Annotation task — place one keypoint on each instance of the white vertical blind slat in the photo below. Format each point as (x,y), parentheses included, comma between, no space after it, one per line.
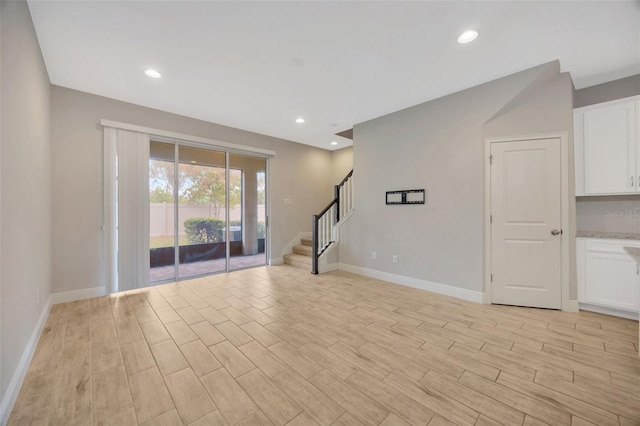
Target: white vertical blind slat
(109,211)
(126,209)
(133,209)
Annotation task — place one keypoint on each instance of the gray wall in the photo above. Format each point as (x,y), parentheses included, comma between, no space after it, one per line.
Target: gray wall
(616,89)
(298,172)
(438,145)
(599,213)
(25,172)
(341,164)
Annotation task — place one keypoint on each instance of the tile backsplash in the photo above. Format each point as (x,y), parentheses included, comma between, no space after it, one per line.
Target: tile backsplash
(608,214)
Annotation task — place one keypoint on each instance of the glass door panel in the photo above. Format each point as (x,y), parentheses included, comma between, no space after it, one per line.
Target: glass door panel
(247,211)
(162,239)
(201,211)
(206,216)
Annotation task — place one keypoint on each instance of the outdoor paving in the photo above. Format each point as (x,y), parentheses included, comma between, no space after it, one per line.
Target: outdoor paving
(162,273)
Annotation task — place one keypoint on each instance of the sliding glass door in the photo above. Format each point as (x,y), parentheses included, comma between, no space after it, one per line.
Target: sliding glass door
(201,212)
(206,206)
(247,195)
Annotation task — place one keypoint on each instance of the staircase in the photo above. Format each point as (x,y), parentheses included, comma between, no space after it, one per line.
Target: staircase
(325,226)
(301,256)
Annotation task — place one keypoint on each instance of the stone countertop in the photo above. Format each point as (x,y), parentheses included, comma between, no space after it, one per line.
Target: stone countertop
(611,235)
(634,252)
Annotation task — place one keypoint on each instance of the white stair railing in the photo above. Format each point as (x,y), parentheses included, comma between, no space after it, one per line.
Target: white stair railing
(323,226)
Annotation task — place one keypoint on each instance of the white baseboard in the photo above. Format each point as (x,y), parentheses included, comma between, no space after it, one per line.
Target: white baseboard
(609,311)
(276,261)
(72,296)
(447,290)
(11,394)
(572,306)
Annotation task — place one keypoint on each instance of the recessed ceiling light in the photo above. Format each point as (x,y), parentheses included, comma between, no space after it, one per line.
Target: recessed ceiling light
(334,143)
(299,120)
(152,73)
(467,36)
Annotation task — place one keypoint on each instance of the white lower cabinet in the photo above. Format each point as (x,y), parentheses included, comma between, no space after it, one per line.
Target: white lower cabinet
(607,276)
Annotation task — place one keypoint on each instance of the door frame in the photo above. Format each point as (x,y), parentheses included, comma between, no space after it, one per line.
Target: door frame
(227,154)
(564,210)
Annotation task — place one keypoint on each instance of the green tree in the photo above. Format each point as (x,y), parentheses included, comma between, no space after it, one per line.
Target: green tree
(161,181)
(205,185)
(196,184)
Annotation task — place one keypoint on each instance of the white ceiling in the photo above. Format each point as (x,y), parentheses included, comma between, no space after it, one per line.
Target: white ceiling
(238,63)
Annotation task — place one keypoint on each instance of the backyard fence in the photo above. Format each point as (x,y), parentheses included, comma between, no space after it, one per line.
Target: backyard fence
(162,216)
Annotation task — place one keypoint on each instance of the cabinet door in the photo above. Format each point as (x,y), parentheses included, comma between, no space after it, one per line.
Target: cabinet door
(610,277)
(609,134)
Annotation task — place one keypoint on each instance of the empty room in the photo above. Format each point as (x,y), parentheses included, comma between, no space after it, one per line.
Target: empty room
(319,213)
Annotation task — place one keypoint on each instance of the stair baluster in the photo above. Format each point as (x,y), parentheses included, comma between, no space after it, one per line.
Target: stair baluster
(323,225)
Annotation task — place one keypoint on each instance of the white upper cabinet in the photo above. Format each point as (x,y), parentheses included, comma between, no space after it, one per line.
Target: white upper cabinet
(607,154)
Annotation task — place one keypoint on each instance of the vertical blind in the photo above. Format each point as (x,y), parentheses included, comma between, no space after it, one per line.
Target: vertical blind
(126,198)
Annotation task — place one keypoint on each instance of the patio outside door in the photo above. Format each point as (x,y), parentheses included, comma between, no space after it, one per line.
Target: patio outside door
(207,211)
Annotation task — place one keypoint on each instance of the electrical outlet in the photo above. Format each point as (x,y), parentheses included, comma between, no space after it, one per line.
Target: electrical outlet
(395,258)
(288,201)
(373,254)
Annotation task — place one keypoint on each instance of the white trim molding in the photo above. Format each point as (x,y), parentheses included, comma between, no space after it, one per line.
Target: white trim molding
(328,260)
(608,311)
(185,137)
(573,306)
(446,290)
(72,296)
(11,394)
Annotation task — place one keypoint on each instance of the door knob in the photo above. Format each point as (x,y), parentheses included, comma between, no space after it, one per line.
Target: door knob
(556,232)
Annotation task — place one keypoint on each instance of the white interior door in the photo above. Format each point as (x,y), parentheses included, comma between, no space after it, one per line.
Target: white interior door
(526,258)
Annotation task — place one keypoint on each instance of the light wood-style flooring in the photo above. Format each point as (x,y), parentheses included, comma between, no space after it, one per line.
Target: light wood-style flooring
(277,345)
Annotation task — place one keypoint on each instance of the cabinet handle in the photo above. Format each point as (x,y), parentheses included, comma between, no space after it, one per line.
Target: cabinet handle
(632,181)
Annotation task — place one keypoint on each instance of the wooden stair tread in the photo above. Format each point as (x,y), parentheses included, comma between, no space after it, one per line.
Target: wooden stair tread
(298,258)
(303,250)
